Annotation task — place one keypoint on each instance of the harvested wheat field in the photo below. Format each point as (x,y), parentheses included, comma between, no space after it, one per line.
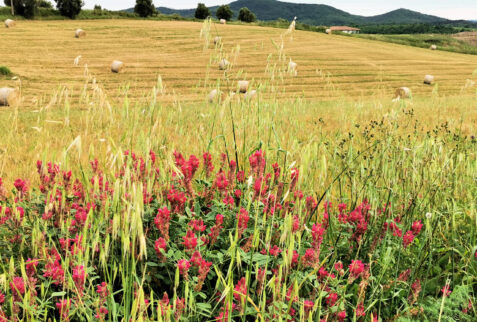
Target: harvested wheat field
(42,54)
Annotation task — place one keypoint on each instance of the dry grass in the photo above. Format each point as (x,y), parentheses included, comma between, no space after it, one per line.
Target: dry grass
(468,36)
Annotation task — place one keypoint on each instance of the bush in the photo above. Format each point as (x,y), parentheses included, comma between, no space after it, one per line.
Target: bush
(69,8)
(202,12)
(144,8)
(224,12)
(246,15)
(5,71)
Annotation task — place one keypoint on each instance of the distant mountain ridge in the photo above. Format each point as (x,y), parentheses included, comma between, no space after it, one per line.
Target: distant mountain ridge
(315,14)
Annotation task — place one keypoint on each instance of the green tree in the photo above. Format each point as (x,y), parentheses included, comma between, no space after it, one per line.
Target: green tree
(202,12)
(69,8)
(24,8)
(224,12)
(44,4)
(144,8)
(246,15)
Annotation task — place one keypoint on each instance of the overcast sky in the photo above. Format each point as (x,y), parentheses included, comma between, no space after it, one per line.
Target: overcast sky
(451,9)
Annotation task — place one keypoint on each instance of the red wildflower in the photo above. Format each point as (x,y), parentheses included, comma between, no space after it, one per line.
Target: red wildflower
(275,251)
(341,316)
(257,162)
(209,167)
(17,285)
(296,224)
(356,268)
(331,299)
(338,266)
(31,265)
(242,218)
(183,266)
(446,290)
(64,307)
(162,222)
(79,277)
(408,238)
(197,225)
(416,227)
(240,289)
(196,259)
(160,247)
(317,232)
(102,290)
(204,268)
(360,310)
(221,181)
(190,241)
(102,312)
(308,305)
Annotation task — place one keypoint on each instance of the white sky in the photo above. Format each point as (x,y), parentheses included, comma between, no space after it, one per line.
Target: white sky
(451,9)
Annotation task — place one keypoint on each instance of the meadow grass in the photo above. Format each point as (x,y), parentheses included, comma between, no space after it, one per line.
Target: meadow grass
(443,42)
(393,164)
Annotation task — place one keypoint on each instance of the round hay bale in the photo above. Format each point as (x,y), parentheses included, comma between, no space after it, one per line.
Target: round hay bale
(433,47)
(9,23)
(117,66)
(292,66)
(243,86)
(328,31)
(250,95)
(212,95)
(8,96)
(223,21)
(217,40)
(224,64)
(80,33)
(402,93)
(428,79)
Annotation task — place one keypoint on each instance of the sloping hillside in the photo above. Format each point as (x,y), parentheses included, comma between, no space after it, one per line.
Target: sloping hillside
(315,14)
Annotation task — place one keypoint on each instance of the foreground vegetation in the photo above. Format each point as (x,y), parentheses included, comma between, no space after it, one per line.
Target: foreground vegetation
(133,205)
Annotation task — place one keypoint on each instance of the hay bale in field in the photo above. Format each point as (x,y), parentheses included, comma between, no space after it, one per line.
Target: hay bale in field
(117,66)
(224,64)
(249,95)
(223,21)
(8,96)
(212,95)
(428,79)
(402,93)
(292,67)
(243,86)
(433,47)
(328,31)
(217,40)
(80,33)
(9,23)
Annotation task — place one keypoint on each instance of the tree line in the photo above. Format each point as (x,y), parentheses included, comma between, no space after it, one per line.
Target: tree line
(143,8)
(28,8)
(224,12)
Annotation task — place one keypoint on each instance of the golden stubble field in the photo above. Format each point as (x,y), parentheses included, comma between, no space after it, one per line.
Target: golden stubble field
(76,113)
(42,54)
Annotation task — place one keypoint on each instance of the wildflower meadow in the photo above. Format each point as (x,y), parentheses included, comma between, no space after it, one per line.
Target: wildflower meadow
(267,208)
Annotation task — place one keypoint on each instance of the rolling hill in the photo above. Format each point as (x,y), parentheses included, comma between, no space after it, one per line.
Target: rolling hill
(315,14)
